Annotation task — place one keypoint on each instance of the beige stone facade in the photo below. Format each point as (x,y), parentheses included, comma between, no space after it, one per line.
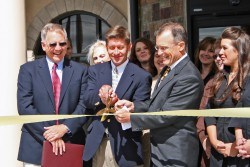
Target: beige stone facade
(38,13)
(153,13)
(24,20)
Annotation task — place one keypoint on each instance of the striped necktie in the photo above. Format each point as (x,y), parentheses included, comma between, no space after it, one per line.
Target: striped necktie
(56,89)
(164,73)
(115,78)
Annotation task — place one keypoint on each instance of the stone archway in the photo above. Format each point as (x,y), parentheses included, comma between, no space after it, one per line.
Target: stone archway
(56,8)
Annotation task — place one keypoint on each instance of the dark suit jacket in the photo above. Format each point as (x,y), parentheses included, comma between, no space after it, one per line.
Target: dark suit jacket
(174,140)
(35,97)
(134,85)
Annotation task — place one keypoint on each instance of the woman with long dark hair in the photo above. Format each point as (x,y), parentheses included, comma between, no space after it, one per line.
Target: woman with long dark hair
(225,93)
(141,53)
(204,58)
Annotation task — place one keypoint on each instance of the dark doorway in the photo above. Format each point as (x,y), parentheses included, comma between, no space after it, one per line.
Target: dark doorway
(210,18)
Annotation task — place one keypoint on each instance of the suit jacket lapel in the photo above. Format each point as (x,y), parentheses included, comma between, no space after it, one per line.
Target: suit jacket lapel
(170,76)
(66,78)
(125,81)
(167,79)
(44,72)
(159,78)
(106,75)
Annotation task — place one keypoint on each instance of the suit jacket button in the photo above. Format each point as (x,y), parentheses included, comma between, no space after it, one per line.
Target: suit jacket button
(108,120)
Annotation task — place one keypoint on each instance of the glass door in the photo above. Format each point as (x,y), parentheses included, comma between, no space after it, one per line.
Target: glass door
(210,18)
(203,26)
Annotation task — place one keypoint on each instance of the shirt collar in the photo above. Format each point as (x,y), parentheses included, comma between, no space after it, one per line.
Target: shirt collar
(175,63)
(51,64)
(121,67)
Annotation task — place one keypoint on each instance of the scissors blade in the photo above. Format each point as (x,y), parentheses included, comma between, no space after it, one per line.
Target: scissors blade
(104,117)
(111,110)
(108,109)
(100,112)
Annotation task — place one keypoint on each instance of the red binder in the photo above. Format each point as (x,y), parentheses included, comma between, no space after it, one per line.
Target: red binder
(71,158)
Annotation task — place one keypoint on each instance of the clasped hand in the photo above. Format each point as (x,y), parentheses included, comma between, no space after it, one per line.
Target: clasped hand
(109,98)
(58,146)
(54,135)
(123,110)
(243,146)
(107,95)
(226,149)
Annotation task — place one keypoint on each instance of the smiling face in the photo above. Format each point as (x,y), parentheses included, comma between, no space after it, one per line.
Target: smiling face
(228,52)
(55,45)
(142,52)
(118,50)
(159,62)
(168,49)
(206,55)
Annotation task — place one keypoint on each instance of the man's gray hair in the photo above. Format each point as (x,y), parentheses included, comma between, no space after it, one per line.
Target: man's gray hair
(178,31)
(52,27)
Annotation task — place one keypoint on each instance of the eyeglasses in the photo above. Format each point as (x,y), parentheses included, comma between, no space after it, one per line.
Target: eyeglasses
(216,55)
(53,45)
(161,48)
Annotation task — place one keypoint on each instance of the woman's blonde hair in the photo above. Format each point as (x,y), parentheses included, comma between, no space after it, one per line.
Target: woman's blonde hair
(90,54)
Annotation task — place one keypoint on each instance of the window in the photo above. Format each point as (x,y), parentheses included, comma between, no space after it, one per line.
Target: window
(83,29)
(206,19)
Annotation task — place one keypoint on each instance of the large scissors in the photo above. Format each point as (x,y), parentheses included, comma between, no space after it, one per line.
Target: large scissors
(108,109)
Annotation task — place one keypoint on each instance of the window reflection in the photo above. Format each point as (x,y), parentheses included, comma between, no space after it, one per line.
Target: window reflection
(88,31)
(83,29)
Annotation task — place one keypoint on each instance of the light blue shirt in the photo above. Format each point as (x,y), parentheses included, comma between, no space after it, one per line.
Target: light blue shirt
(116,76)
(59,69)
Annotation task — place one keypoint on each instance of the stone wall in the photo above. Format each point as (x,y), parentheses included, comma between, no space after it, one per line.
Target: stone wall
(153,13)
(55,8)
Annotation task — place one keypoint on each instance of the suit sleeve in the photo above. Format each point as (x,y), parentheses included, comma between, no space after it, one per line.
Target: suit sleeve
(142,92)
(185,94)
(92,100)
(74,124)
(25,98)
(141,98)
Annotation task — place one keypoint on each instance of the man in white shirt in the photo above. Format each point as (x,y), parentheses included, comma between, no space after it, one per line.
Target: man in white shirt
(107,142)
(50,85)
(174,140)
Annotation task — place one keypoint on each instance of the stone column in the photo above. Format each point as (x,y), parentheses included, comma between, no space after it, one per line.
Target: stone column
(129,17)
(13,54)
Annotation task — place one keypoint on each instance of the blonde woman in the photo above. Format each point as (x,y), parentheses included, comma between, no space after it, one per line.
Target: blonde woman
(98,53)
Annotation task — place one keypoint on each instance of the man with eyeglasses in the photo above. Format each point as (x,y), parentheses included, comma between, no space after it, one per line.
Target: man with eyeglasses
(110,143)
(174,140)
(50,85)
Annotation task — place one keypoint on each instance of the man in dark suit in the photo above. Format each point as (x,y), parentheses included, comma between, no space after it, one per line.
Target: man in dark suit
(35,96)
(174,140)
(107,142)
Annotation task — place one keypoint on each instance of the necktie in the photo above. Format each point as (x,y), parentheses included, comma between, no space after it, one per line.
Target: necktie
(164,73)
(115,76)
(116,72)
(56,89)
